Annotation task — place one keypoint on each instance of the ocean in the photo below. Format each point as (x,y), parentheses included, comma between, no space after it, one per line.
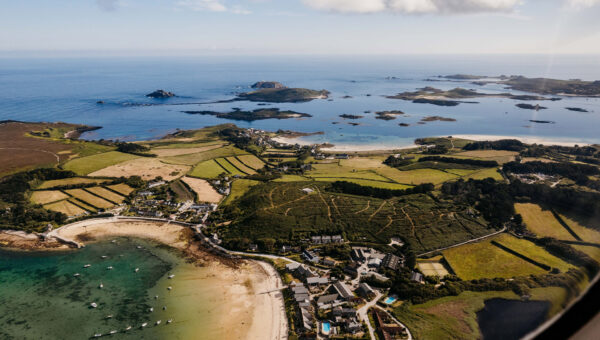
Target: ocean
(67,89)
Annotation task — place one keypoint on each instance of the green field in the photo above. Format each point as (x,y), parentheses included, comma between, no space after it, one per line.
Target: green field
(69,181)
(107,194)
(484,260)
(47,196)
(542,222)
(277,210)
(240,166)
(292,178)
(89,164)
(365,182)
(230,168)
(121,188)
(207,169)
(238,188)
(195,158)
(414,177)
(251,161)
(90,199)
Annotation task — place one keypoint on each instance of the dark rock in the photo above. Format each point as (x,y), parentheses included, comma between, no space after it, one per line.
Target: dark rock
(160,94)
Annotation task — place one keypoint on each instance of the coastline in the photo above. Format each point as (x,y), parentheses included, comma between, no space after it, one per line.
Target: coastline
(237,299)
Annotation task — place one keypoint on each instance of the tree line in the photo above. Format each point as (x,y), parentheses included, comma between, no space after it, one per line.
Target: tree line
(467,161)
(362,190)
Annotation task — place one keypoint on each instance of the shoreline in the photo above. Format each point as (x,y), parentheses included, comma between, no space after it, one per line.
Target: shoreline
(251,307)
(384,147)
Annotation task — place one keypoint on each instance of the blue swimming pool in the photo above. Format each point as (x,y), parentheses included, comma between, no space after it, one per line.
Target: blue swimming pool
(326,327)
(389,300)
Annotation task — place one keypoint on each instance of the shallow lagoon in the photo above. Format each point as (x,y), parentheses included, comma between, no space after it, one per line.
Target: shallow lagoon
(502,319)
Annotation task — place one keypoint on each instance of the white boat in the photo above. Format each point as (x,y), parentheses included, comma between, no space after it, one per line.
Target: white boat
(169,288)
(114,331)
(113,241)
(155,297)
(94,305)
(97,335)
(103,256)
(76,274)
(109,316)
(101,285)
(151,309)
(139,247)
(164,307)
(170,320)
(144,324)
(87,265)
(137,270)
(128,328)
(158,322)
(171,276)
(109,267)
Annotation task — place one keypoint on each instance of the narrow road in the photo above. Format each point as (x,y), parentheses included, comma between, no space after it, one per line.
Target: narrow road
(364,316)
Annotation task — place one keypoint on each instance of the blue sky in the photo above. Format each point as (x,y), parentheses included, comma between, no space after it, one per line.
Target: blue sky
(247,27)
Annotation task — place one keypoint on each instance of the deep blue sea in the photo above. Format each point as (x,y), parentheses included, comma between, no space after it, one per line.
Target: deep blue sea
(67,89)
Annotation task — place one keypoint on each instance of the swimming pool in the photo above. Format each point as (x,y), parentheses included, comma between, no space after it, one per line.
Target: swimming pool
(326,328)
(389,300)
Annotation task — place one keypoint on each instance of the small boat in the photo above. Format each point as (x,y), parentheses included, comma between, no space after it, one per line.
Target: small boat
(114,331)
(109,267)
(170,320)
(169,288)
(87,265)
(164,307)
(151,309)
(137,270)
(76,274)
(144,324)
(155,297)
(97,335)
(103,256)
(109,316)
(94,305)
(158,322)
(101,285)
(171,276)
(113,241)
(128,328)
(139,247)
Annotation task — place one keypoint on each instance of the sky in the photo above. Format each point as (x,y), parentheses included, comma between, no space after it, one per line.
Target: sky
(312,27)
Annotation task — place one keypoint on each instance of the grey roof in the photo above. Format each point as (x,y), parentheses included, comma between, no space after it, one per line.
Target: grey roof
(327,298)
(343,290)
(317,280)
(300,290)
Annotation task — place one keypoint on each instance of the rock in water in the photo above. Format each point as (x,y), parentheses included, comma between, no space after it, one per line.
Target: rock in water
(268,85)
(161,94)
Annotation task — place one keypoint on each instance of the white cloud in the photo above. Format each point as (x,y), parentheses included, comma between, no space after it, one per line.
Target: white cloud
(417,6)
(583,3)
(203,5)
(107,5)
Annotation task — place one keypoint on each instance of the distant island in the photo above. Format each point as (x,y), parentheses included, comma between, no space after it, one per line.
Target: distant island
(576,109)
(258,114)
(542,121)
(347,116)
(536,107)
(160,94)
(437,118)
(274,92)
(388,115)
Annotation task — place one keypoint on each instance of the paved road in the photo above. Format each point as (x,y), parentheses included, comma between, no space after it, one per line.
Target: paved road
(363,313)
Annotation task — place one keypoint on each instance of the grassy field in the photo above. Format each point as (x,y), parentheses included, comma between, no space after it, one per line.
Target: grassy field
(89,198)
(593,252)
(182,193)
(82,205)
(65,207)
(586,234)
(455,317)
(109,195)
(542,222)
(240,166)
(195,158)
(147,168)
(205,192)
(121,188)
(207,169)
(414,177)
(232,170)
(432,269)
(69,181)
(89,164)
(238,188)
(166,151)
(278,210)
(365,182)
(484,173)
(47,196)
(499,156)
(251,161)
(292,178)
(484,260)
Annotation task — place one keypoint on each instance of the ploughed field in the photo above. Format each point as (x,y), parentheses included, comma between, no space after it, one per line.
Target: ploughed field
(283,211)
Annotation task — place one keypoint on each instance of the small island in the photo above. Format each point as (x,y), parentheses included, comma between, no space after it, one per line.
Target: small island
(404,124)
(536,107)
(576,109)
(273,92)
(437,118)
(542,121)
(160,94)
(388,115)
(258,114)
(347,116)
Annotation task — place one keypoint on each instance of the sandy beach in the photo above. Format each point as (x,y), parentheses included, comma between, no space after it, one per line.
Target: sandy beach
(228,299)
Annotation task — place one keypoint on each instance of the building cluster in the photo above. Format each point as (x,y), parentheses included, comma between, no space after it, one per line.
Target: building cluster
(370,262)
(387,328)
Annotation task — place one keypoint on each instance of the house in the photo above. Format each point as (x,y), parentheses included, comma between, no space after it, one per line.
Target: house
(326,239)
(391,261)
(310,256)
(337,239)
(301,297)
(155,184)
(417,277)
(365,290)
(316,239)
(374,262)
(351,269)
(327,299)
(344,291)
(291,267)
(307,190)
(357,255)
(342,156)
(145,193)
(304,272)
(300,289)
(289,249)
(317,281)
(306,320)
(352,326)
(328,261)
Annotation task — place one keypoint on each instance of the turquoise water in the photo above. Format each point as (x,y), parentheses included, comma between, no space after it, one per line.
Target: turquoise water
(326,327)
(41,299)
(389,300)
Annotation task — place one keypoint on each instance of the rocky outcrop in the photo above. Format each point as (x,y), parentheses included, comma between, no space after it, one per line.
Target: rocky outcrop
(268,85)
(160,94)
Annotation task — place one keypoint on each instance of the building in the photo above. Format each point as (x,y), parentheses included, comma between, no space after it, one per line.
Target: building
(337,239)
(307,190)
(316,239)
(327,299)
(417,277)
(366,291)
(317,281)
(374,262)
(310,256)
(391,261)
(357,255)
(328,261)
(155,184)
(344,291)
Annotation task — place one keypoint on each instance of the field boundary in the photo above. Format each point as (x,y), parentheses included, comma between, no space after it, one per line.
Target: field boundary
(565,225)
(233,165)
(248,166)
(222,167)
(463,243)
(521,256)
(113,191)
(104,198)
